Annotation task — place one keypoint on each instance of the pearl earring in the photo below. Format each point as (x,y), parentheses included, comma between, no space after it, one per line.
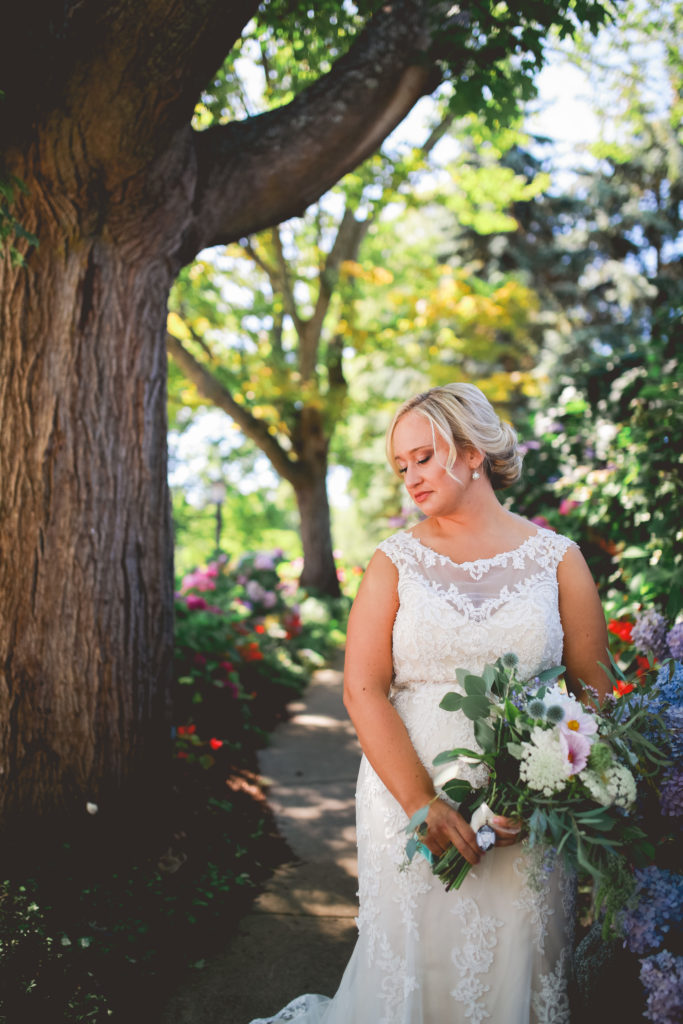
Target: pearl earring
(476,474)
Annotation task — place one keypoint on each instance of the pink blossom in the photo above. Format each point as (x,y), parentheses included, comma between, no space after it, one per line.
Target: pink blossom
(576,749)
(195,603)
(576,720)
(198,580)
(263,561)
(542,521)
(566,506)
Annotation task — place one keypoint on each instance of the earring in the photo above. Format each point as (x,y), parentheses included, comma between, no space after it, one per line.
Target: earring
(476,474)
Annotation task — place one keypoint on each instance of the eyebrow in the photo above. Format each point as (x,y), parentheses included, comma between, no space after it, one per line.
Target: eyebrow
(419,448)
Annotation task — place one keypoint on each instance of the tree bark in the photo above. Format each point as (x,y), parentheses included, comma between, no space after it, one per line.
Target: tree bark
(121,192)
(86,600)
(319,573)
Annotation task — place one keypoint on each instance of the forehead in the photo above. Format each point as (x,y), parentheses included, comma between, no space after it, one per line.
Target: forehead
(412,431)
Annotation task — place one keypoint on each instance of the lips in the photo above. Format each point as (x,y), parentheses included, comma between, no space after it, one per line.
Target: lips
(421,495)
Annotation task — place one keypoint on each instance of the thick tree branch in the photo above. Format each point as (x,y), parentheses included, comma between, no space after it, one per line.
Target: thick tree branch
(321,135)
(215,392)
(125,74)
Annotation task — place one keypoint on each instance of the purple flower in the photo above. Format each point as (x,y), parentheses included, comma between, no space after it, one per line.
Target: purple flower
(657,911)
(662,978)
(675,641)
(649,634)
(671,795)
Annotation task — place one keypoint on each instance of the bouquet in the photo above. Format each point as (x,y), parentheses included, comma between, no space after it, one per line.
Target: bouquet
(570,771)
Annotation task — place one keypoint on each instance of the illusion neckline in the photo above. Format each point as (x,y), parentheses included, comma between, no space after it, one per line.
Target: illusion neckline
(476,561)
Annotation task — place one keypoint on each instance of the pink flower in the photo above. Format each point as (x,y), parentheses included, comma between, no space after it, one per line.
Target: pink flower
(195,603)
(576,749)
(566,506)
(542,521)
(198,580)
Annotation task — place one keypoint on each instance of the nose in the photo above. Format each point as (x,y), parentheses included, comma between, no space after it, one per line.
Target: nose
(413,474)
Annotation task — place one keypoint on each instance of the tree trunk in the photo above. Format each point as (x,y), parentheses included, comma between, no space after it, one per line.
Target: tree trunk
(319,573)
(86,596)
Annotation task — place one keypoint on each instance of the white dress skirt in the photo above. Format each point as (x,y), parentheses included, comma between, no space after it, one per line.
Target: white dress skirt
(497,950)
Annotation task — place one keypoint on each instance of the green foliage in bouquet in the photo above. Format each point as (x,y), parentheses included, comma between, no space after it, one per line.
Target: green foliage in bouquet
(569,771)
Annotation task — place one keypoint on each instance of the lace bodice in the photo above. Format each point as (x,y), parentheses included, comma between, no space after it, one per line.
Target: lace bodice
(463,615)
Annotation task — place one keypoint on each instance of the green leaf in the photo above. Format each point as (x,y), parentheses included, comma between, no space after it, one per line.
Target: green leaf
(457,789)
(452,702)
(475,686)
(452,755)
(485,736)
(550,674)
(515,749)
(476,707)
(417,819)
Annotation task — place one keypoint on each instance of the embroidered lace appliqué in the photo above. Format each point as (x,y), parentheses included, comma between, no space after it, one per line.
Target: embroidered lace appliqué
(473,958)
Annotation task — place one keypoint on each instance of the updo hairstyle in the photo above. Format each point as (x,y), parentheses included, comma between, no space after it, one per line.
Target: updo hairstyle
(466,420)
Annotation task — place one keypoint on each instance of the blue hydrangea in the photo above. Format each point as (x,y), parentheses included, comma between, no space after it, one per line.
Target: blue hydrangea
(675,641)
(649,634)
(668,692)
(662,979)
(656,913)
(671,795)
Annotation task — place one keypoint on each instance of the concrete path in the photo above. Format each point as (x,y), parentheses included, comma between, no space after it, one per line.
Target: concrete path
(301,930)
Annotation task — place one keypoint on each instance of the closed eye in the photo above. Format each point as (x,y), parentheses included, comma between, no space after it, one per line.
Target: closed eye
(420,462)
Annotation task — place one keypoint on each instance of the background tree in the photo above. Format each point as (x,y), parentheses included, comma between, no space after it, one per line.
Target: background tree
(121,192)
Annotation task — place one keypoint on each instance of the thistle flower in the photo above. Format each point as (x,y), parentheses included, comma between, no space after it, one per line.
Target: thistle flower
(510,659)
(649,634)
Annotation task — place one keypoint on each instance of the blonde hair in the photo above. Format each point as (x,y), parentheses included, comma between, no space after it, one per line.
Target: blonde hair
(463,416)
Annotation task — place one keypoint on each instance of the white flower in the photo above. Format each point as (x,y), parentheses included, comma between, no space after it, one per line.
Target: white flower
(614,786)
(544,765)
(482,816)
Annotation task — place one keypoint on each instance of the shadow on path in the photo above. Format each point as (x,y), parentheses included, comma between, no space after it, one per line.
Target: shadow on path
(301,930)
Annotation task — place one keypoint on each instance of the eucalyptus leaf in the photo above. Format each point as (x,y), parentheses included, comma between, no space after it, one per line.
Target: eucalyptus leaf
(485,736)
(452,702)
(417,819)
(476,707)
(475,686)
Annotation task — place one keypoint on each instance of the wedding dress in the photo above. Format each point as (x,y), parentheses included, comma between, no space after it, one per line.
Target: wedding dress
(498,949)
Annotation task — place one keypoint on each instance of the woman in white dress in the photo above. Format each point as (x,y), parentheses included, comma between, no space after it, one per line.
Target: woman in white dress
(471,582)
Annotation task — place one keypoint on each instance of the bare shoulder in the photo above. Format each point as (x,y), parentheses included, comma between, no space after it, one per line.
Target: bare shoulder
(573,571)
(380,581)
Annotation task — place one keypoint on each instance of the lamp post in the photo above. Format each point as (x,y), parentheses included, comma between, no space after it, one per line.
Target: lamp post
(217,492)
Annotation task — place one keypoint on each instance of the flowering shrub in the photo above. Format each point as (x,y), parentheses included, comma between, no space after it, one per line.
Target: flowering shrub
(246,640)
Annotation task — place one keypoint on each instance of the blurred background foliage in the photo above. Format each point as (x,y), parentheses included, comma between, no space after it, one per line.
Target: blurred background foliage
(469,248)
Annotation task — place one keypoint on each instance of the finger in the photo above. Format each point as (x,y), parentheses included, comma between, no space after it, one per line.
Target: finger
(466,844)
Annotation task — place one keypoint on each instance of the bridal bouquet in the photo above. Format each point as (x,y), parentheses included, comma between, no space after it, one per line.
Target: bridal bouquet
(569,771)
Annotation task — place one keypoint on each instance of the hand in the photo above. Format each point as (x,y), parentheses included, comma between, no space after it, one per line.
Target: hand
(445,827)
(508,830)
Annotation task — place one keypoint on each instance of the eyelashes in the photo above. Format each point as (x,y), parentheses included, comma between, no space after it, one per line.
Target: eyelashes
(420,462)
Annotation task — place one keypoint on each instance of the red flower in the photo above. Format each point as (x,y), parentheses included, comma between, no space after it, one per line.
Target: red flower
(621,629)
(183,754)
(215,744)
(252,652)
(622,687)
(186,730)
(195,603)
(643,666)
(227,666)
(260,628)
(199,660)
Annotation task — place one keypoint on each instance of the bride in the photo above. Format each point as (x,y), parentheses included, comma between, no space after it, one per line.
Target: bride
(471,582)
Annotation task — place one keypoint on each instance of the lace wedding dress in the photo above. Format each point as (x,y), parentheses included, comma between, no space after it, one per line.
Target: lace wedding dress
(499,948)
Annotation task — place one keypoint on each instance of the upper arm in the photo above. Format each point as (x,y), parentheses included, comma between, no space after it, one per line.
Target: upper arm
(368,662)
(583,623)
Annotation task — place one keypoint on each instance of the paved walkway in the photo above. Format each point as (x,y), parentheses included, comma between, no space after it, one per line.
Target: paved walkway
(301,930)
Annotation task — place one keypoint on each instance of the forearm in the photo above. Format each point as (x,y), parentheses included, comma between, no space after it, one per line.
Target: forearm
(386,744)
